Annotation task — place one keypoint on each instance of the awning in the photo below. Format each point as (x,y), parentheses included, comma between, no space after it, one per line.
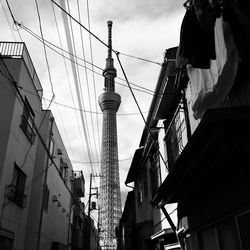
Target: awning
(133,170)
(163,233)
(170,95)
(221,133)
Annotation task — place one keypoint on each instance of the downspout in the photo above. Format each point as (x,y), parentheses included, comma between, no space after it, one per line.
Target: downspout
(44,185)
(71,206)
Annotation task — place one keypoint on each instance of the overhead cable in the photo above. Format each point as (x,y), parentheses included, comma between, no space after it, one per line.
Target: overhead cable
(68,80)
(78,92)
(92,60)
(142,89)
(88,30)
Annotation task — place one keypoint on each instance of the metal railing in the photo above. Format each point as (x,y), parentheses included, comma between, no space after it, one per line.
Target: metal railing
(175,137)
(19,50)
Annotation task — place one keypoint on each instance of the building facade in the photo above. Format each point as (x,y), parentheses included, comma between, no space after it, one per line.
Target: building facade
(36,176)
(207,176)
(147,170)
(201,112)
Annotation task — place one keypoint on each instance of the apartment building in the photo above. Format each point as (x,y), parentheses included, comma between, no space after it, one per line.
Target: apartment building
(38,187)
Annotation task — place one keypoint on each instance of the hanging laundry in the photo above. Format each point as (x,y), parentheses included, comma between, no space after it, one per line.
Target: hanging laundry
(210,86)
(197,45)
(206,15)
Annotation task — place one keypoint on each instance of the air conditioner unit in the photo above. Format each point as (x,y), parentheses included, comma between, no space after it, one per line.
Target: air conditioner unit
(54,198)
(59,151)
(93,205)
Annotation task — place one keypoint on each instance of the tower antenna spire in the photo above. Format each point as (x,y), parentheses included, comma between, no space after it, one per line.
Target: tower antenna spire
(110,194)
(109,72)
(110,23)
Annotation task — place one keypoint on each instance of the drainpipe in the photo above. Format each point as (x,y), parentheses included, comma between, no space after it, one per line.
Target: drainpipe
(44,185)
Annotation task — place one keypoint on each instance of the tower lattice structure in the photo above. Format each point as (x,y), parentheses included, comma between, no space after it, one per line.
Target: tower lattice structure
(110,195)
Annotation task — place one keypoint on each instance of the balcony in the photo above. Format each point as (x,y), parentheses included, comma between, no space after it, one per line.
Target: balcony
(17,50)
(79,210)
(79,184)
(17,196)
(214,154)
(176,137)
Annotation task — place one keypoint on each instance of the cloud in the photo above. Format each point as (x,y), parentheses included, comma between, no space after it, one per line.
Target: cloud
(142,28)
(121,11)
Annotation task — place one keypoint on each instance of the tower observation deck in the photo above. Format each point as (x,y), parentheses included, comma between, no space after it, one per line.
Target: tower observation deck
(110,195)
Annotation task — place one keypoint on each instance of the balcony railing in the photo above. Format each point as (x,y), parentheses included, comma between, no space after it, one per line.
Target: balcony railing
(79,184)
(78,210)
(16,195)
(19,50)
(176,137)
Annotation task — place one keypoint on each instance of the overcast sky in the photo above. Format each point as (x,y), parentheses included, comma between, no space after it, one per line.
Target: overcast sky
(142,28)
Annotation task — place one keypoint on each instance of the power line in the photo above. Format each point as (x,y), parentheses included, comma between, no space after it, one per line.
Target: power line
(14,21)
(123,71)
(41,139)
(142,89)
(88,88)
(45,52)
(8,21)
(77,87)
(87,162)
(77,109)
(93,75)
(88,30)
(67,73)
(138,106)
(64,11)
(142,59)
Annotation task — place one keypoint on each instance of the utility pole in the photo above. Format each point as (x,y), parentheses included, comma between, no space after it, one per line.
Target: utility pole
(88,241)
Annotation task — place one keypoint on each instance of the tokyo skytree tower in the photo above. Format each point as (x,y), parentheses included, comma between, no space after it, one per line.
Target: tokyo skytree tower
(110,195)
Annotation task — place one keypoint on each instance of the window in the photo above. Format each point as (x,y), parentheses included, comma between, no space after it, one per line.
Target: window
(139,197)
(16,189)
(64,170)
(27,123)
(61,167)
(51,150)
(6,240)
(176,136)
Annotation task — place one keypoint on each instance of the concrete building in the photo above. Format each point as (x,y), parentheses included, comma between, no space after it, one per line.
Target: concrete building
(22,114)
(51,196)
(37,182)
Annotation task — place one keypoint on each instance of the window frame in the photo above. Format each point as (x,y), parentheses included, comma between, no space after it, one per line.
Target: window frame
(17,187)
(28,121)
